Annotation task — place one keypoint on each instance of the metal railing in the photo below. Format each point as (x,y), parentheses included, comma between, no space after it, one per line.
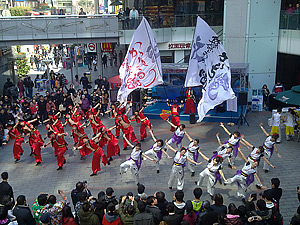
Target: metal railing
(289,20)
(162,21)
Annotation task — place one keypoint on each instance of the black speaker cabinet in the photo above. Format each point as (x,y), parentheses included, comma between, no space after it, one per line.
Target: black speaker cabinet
(242,98)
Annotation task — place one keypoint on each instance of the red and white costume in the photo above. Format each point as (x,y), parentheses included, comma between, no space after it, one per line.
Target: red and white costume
(189,103)
(17,149)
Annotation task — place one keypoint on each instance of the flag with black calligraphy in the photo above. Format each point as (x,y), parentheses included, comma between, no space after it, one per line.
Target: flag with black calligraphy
(209,68)
(142,65)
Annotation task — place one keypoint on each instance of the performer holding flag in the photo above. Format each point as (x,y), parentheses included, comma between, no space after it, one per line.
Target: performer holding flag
(209,67)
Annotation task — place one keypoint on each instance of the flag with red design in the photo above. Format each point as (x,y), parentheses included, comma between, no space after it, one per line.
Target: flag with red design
(142,65)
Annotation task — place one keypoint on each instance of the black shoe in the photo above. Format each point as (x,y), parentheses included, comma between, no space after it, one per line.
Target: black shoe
(125,148)
(117,136)
(119,154)
(55,155)
(157,171)
(108,163)
(138,184)
(266,171)
(59,168)
(193,174)
(220,181)
(142,140)
(211,197)
(170,188)
(110,159)
(30,154)
(258,186)
(21,153)
(81,158)
(93,174)
(38,163)
(65,161)
(196,182)
(17,160)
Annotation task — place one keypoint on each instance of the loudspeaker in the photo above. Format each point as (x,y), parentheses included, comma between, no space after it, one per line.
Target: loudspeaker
(242,98)
(136,96)
(192,118)
(113,95)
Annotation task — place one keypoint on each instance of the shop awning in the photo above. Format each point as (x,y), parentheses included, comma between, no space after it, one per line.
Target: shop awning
(291,97)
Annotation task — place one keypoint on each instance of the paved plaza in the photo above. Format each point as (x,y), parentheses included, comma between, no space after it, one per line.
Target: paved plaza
(31,180)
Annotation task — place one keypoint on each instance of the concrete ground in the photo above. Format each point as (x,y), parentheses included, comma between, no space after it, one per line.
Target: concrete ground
(30,180)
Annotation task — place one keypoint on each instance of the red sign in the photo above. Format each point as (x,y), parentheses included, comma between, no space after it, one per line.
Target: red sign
(107,47)
(91,47)
(179,45)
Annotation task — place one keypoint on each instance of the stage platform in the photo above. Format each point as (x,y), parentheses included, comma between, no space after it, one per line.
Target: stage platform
(154,111)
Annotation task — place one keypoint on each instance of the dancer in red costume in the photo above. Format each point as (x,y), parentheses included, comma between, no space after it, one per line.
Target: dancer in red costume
(37,143)
(116,109)
(174,114)
(189,101)
(112,146)
(145,123)
(126,128)
(15,134)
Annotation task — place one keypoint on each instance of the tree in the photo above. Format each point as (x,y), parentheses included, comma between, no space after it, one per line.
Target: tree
(22,67)
(18,10)
(86,5)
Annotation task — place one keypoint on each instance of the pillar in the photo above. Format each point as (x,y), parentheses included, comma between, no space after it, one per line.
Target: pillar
(250,35)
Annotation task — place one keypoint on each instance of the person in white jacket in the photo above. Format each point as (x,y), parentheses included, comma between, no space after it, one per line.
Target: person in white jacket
(133,16)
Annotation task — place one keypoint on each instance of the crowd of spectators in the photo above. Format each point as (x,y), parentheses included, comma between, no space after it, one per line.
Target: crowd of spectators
(140,209)
(19,102)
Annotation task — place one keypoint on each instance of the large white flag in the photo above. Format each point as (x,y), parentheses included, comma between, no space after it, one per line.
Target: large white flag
(142,66)
(209,67)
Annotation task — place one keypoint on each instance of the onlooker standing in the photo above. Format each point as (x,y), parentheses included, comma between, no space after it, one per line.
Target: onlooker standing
(5,188)
(22,212)
(266,94)
(76,82)
(121,17)
(35,80)
(37,207)
(84,81)
(121,57)
(82,12)
(219,206)
(104,61)
(31,61)
(67,217)
(87,216)
(85,103)
(98,82)
(8,84)
(143,218)
(133,16)
(20,85)
(111,216)
(278,87)
(29,85)
(42,109)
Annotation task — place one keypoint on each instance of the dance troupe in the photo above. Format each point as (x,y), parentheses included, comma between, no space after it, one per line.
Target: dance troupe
(183,156)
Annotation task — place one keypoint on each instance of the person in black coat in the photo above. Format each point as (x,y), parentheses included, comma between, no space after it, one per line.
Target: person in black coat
(5,188)
(172,218)
(22,212)
(143,218)
(153,209)
(161,202)
(276,190)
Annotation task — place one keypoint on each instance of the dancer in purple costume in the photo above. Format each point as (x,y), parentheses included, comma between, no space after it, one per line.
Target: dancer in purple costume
(213,171)
(156,150)
(178,167)
(192,153)
(135,161)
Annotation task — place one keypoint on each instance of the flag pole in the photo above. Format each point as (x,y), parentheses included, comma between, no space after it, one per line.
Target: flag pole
(154,55)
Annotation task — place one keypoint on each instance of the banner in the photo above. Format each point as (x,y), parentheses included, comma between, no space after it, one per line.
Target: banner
(42,86)
(142,66)
(209,67)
